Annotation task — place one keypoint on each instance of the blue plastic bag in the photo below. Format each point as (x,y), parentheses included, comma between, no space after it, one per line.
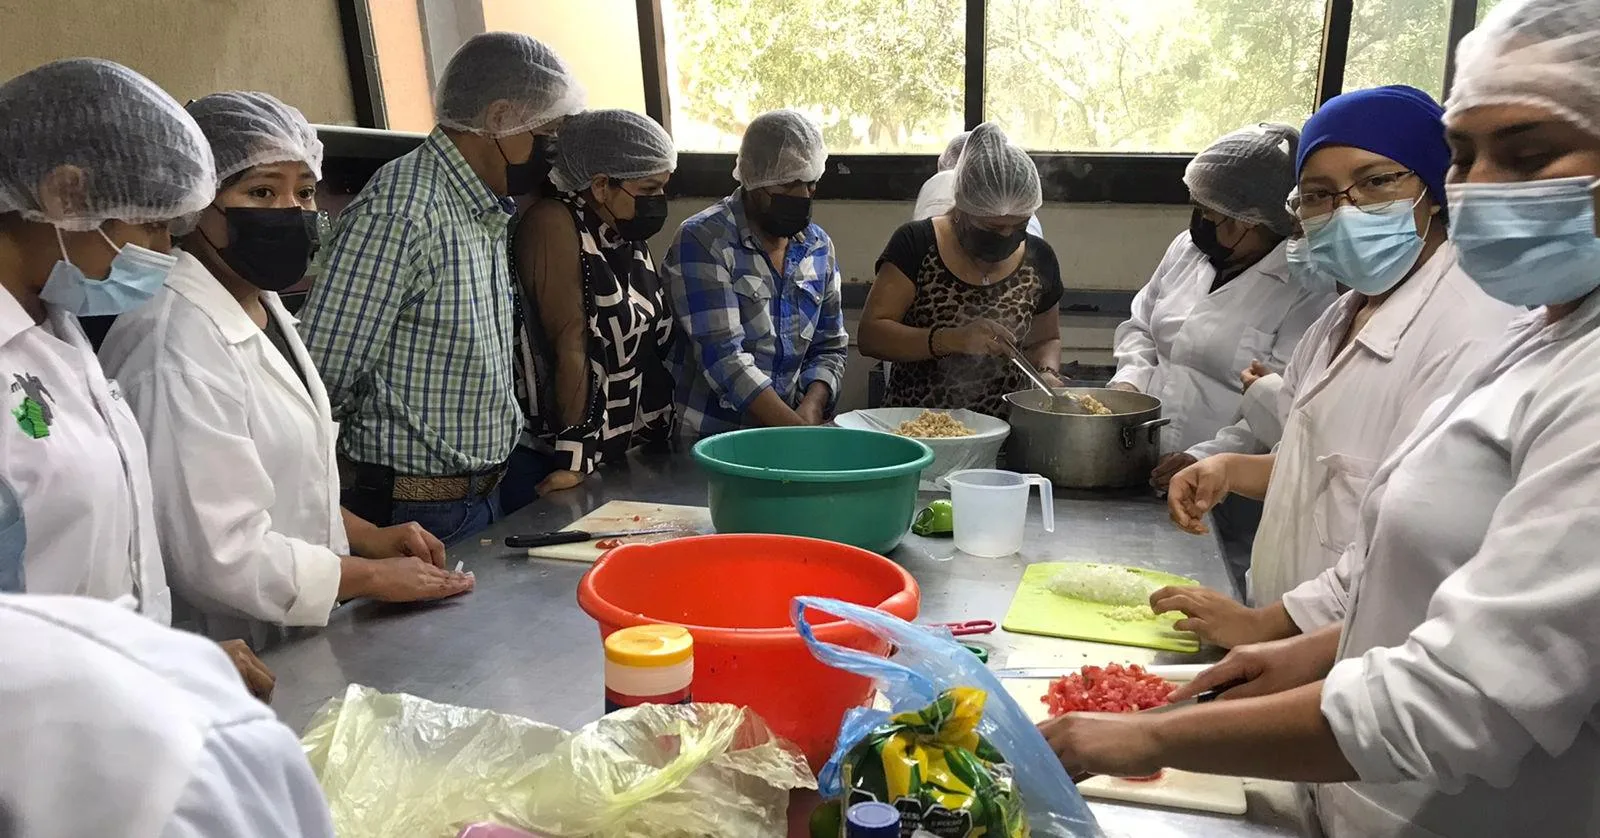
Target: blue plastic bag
(924,664)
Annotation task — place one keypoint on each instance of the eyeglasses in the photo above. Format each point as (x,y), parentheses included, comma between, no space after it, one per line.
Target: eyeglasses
(1368,194)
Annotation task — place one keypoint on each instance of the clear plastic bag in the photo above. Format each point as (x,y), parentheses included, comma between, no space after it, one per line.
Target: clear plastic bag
(394,764)
(925,664)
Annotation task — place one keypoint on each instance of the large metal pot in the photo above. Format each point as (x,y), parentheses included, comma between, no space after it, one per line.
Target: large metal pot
(1078,451)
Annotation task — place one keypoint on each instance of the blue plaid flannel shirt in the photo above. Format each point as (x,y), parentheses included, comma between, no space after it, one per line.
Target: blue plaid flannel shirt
(749,326)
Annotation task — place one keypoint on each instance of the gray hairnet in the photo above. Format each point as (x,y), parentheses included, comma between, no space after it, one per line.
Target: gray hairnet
(952,152)
(1247,175)
(507,66)
(142,158)
(621,144)
(1544,53)
(780,147)
(252,129)
(995,177)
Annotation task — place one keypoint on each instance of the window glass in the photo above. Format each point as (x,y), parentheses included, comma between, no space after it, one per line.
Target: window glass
(1398,42)
(1147,76)
(877,75)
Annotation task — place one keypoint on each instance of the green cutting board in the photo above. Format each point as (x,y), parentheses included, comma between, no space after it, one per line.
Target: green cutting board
(1037,610)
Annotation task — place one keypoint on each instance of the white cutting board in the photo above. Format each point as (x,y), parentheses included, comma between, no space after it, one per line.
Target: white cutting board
(1175,789)
(627,515)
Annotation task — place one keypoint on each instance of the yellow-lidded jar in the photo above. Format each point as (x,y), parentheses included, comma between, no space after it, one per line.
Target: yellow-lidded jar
(649,665)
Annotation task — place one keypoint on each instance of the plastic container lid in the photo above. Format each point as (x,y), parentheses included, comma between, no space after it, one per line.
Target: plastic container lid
(650,646)
(873,820)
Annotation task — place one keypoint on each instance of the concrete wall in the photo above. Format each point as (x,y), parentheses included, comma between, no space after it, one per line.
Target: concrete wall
(292,49)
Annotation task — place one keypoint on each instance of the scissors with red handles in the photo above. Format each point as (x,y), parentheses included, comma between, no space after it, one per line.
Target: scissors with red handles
(967,628)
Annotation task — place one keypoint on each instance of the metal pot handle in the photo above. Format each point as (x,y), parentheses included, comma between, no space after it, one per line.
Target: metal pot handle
(1130,433)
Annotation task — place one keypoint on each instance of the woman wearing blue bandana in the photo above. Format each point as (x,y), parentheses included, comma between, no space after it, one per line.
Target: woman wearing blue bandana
(1459,694)
(1370,198)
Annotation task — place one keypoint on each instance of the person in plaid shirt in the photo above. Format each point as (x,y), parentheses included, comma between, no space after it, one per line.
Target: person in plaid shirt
(411,321)
(755,289)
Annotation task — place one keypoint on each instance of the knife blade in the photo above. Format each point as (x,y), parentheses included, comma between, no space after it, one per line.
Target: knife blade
(1202,697)
(549,539)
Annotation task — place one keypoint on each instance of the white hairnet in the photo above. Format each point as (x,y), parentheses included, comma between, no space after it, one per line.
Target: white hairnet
(1544,53)
(780,147)
(142,159)
(252,129)
(496,66)
(995,177)
(1247,175)
(952,152)
(621,144)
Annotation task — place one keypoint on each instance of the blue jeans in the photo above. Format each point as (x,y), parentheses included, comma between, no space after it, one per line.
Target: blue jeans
(523,472)
(450,521)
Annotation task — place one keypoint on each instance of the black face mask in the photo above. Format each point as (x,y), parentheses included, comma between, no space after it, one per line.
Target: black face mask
(1203,232)
(784,215)
(649,216)
(526,178)
(270,248)
(987,245)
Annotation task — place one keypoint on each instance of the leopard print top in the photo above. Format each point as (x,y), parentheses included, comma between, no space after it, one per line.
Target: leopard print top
(942,299)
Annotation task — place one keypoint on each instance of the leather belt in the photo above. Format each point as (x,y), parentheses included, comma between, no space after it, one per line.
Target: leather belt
(413,489)
(408,488)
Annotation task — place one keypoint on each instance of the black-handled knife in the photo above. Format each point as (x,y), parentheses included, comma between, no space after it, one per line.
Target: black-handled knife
(550,539)
(1203,697)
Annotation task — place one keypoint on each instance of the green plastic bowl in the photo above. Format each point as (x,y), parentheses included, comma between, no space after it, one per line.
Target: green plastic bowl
(850,486)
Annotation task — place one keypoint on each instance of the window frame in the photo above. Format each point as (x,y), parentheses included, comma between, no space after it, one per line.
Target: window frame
(361,60)
(1070,177)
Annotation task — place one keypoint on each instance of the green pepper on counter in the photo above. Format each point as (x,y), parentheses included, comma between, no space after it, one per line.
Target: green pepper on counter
(937,519)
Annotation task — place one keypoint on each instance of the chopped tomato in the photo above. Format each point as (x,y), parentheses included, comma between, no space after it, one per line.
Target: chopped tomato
(608,543)
(1111,689)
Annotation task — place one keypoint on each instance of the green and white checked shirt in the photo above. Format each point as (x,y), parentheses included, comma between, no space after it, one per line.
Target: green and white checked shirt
(410,324)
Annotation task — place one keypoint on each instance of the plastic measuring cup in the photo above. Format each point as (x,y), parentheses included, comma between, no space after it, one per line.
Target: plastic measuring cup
(991,508)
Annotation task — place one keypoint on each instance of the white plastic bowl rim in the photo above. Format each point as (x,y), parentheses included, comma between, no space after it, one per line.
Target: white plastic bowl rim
(986,427)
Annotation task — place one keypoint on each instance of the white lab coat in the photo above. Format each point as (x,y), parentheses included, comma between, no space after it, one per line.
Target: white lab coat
(1185,344)
(112,725)
(1347,413)
(241,452)
(1469,663)
(938,195)
(1261,412)
(84,487)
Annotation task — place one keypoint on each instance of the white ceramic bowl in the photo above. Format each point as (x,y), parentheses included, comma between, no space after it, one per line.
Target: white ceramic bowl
(980,450)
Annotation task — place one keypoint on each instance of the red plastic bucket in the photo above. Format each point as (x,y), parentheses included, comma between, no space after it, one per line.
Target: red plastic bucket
(733,593)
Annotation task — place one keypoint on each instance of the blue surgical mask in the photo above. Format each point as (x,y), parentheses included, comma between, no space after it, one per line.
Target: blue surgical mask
(1527,244)
(1368,250)
(136,275)
(1305,274)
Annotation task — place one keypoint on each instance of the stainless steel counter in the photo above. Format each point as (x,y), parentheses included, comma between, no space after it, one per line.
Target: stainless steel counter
(520,644)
